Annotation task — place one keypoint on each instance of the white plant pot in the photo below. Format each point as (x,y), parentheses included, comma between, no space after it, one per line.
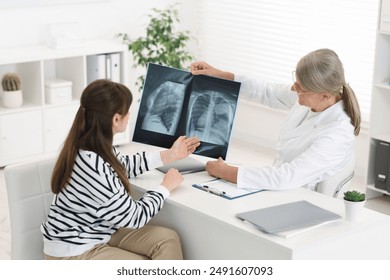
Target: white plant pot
(353,210)
(12,99)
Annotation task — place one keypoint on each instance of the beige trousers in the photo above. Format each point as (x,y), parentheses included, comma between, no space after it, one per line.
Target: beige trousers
(148,242)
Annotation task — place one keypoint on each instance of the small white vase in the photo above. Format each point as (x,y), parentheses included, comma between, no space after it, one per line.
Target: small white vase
(12,99)
(353,210)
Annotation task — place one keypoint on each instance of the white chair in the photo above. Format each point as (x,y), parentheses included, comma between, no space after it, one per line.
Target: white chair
(29,199)
(339,183)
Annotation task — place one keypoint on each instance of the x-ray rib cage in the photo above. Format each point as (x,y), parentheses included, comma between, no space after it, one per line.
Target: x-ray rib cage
(164,108)
(175,103)
(210,117)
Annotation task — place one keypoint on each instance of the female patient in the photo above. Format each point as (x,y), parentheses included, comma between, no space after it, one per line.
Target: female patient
(93,215)
(317,139)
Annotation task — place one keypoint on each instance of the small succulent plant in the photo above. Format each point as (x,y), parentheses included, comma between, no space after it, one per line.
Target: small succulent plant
(354,196)
(10,82)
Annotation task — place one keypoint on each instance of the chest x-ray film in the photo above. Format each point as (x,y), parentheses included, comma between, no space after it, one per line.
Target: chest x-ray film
(174,103)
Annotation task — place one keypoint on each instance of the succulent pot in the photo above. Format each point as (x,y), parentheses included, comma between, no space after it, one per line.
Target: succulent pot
(12,99)
(353,210)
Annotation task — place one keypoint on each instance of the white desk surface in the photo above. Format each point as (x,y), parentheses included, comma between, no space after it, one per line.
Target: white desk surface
(209,229)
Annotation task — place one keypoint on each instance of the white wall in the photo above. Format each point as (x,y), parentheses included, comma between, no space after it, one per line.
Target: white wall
(28,25)
(24,26)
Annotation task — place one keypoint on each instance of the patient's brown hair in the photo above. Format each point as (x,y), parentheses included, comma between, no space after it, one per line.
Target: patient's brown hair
(92,130)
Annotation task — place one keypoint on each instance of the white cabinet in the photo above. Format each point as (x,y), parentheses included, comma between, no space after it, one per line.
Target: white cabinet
(384,22)
(21,135)
(39,127)
(380,105)
(57,122)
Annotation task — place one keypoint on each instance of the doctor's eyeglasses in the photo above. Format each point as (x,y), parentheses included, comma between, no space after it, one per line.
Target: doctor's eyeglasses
(294,77)
(297,87)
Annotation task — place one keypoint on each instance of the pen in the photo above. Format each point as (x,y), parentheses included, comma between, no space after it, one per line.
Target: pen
(213,191)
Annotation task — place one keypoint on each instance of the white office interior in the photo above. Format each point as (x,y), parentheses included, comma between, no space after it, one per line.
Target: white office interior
(262,38)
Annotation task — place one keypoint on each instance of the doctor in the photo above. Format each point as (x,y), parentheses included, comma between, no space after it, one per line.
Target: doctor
(317,138)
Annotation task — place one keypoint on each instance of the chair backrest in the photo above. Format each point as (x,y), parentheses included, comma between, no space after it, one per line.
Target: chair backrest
(29,199)
(339,183)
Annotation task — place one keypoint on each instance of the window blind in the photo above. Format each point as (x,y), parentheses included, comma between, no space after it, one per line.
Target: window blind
(266,38)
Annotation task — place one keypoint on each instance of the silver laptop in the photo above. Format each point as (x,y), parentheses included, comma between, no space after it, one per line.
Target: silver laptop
(289,216)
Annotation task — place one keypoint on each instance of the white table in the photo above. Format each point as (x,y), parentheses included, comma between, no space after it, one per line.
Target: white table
(209,229)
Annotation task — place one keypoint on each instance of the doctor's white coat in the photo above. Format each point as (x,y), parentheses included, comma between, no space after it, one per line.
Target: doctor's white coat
(311,146)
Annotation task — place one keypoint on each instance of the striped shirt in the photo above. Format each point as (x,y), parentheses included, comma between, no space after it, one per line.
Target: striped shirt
(95,204)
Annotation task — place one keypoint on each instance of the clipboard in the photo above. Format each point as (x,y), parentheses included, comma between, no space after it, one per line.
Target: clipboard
(224,189)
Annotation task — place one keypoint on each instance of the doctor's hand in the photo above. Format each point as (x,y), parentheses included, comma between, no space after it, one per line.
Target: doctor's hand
(172,179)
(202,68)
(219,169)
(180,149)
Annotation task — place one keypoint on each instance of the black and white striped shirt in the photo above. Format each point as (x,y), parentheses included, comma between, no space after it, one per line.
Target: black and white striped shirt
(95,204)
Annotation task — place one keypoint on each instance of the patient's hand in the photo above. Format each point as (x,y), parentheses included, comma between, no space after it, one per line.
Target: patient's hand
(172,179)
(180,149)
(184,146)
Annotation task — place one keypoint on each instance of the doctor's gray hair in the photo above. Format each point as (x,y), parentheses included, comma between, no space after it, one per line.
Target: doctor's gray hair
(322,71)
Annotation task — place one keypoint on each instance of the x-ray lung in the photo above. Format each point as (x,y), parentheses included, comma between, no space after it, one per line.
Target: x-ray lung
(210,116)
(174,103)
(164,107)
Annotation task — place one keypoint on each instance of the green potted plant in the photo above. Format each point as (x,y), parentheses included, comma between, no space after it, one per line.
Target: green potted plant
(354,196)
(354,203)
(12,93)
(161,45)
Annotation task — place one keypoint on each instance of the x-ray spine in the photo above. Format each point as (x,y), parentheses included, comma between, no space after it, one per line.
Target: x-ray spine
(210,117)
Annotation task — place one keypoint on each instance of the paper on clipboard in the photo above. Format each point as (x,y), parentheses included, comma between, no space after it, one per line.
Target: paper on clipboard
(224,188)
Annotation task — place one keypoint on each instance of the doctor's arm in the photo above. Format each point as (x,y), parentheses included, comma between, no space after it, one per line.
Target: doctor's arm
(274,95)
(219,169)
(324,158)
(202,68)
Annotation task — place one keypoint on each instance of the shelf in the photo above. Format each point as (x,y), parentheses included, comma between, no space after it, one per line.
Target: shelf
(74,101)
(381,137)
(380,101)
(384,85)
(372,187)
(384,32)
(37,53)
(27,106)
(37,127)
